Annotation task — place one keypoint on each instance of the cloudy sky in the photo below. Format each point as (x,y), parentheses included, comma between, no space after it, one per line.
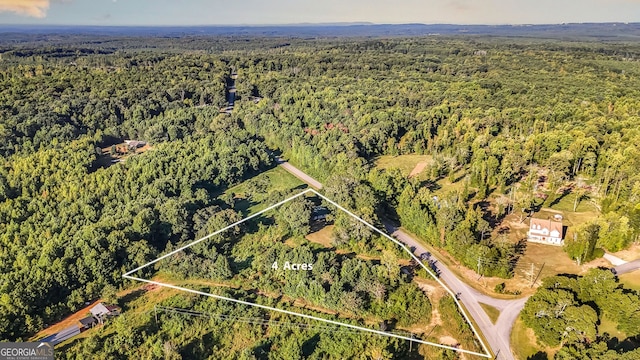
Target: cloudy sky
(218,12)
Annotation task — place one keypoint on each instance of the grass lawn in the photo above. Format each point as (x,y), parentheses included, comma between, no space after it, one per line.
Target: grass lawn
(322,236)
(279,180)
(491,311)
(522,341)
(406,163)
(631,280)
(630,254)
(608,326)
(446,186)
(565,204)
(555,260)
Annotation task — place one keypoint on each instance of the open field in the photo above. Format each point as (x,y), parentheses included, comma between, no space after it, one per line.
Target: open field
(630,254)
(565,204)
(608,326)
(406,163)
(631,280)
(278,180)
(523,342)
(554,259)
(444,185)
(322,236)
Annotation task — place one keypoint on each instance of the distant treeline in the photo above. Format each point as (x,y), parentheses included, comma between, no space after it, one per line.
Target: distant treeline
(491,109)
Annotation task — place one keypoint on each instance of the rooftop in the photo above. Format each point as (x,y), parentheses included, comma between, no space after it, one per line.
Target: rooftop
(540,224)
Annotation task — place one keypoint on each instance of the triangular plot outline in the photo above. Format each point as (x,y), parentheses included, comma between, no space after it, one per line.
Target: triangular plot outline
(487,353)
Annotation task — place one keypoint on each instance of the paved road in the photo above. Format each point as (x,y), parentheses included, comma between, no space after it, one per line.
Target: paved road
(627,267)
(299,174)
(615,261)
(497,335)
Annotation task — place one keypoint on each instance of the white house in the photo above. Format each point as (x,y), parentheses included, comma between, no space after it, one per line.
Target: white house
(545,231)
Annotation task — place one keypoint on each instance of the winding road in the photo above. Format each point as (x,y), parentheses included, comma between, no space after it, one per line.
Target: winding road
(497,335)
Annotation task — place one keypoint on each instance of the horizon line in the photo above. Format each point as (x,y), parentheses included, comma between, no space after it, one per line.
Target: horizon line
(318,24)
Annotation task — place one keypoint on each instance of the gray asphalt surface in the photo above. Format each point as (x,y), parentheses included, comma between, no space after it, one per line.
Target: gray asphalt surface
(497,335)
(628,267)
(299,174)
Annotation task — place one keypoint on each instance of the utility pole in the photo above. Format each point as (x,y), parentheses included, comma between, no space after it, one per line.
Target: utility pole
(155,312)
(537,276)
(411,343)
(533,271)
(529,274)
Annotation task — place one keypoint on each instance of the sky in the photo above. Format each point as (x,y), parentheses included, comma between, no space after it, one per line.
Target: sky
(263,12)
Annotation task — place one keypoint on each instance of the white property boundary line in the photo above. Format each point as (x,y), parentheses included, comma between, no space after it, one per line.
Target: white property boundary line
(127,275)
(488,353)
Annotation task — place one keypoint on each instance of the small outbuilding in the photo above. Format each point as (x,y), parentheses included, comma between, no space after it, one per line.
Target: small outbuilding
(102,311)
(134,144)
(88,322)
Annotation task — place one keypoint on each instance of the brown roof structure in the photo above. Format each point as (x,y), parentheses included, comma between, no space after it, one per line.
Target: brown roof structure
(538,226)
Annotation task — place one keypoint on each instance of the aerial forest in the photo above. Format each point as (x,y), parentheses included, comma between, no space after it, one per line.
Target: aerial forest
(80,206)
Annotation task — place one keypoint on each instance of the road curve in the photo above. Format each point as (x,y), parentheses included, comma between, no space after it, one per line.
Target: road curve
(497,335)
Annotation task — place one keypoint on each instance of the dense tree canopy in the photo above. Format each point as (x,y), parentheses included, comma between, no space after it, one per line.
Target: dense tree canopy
(73,218)
(568,311)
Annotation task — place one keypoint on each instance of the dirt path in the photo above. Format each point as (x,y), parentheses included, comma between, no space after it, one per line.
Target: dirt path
(418,168)
(435,294)
(66,322)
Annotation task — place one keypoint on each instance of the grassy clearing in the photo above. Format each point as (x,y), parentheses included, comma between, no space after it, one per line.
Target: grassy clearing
(554,259)
(322,236)
(631,280)
(523,341)
(566,204)
(406,163)
(630,254)
(279,180)
(608,326)
(491,311)
(445,186)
